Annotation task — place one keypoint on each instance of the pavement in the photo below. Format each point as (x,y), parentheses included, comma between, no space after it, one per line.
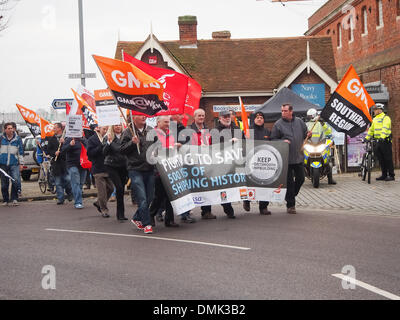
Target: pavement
(350,195)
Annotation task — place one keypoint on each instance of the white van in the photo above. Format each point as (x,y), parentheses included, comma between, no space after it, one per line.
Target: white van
(30,163)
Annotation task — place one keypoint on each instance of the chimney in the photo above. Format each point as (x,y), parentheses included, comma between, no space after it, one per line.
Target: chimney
(218,35)
(187,31)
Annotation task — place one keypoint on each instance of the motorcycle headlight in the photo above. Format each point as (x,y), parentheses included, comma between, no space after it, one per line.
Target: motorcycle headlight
(320,148)
(309,148)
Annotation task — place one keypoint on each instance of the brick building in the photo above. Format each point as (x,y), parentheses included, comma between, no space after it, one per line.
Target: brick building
(251,68)
(366,34)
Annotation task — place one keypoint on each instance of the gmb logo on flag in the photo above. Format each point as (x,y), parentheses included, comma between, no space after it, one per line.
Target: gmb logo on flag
(348,107)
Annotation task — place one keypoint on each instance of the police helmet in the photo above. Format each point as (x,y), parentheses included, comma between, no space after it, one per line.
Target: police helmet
(312,113)
(379,106)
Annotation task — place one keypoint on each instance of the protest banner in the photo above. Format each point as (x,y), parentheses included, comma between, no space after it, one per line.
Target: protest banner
(131,87)
(73,126)
(348,107)
(222,173)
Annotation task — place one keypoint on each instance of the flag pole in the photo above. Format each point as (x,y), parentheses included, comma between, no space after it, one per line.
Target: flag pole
(126,121)
(112,93)
(312,128)
(133,131)
(60,143)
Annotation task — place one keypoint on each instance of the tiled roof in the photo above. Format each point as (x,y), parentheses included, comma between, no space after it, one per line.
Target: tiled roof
(244,64)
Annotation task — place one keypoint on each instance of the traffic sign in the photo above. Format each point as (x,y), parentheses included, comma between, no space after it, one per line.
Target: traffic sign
(61,103)
(81,75)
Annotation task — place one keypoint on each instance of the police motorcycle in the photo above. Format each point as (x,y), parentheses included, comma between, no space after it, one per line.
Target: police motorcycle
(317,156)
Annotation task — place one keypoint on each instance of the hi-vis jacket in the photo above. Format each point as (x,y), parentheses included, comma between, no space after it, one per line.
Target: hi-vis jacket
(381,127)
(320,130)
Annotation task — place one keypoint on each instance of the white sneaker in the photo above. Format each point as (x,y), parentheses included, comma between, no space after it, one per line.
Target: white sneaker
(15,203)
(5,204)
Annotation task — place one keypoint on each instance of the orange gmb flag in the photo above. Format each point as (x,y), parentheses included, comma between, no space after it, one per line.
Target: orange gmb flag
(348,107)
(245,121)
(46,129)
(103,97)
(31,118)
(132,88)
(87,111)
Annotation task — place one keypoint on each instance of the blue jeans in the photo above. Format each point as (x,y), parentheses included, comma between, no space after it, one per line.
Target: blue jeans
(62,183)
(142,184)
(12,171)
(77,177)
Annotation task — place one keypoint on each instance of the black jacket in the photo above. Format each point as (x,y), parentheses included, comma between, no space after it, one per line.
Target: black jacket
(295,131)
(260,133)
(73,153)
(232,129)
(136,161)
(112,153)
(95,154)
(58,167)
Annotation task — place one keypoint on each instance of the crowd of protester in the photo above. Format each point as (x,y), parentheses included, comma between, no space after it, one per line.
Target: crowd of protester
(118,155)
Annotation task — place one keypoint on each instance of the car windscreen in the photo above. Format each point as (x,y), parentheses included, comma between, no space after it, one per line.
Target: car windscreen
(30,144)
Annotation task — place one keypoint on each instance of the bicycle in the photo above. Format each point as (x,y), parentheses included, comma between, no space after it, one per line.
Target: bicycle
(44,173)
(367,162)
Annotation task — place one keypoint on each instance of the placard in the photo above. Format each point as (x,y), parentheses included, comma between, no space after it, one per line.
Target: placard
(108,115)
(74,126)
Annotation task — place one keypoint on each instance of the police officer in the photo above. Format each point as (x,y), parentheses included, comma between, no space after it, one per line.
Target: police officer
(381,130)
(320,131)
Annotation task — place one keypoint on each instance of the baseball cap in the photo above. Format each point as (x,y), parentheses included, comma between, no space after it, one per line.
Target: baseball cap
(224,113)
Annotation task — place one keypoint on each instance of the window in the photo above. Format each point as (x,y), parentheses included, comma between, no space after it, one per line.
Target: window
(364,20)
(398,8)
(350,25)
(339,35)
(379,13)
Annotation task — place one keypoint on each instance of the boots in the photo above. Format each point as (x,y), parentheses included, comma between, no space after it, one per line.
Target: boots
(330,179)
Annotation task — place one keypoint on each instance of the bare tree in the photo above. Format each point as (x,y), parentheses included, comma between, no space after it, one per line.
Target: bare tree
(6,8)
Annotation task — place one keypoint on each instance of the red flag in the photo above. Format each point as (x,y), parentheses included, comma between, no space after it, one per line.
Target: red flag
(67,108)
(193,97)
(245,121)
(175,85)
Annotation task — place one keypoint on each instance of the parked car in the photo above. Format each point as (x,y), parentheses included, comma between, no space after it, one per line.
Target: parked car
(30,163)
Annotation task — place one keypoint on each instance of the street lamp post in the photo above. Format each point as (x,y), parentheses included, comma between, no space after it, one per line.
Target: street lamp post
(81,42)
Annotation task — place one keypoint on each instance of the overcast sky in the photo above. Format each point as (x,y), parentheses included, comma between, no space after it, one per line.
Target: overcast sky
(41,45)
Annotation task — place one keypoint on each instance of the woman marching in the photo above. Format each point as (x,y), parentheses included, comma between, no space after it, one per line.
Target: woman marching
(115,164)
